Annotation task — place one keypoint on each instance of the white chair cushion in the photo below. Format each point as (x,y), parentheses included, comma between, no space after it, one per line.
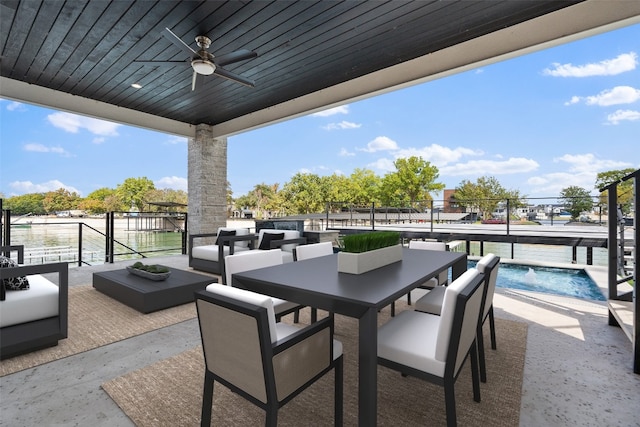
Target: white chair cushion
(313,250)
(251,260)
(432,246)
(491,284)
(410,339)
(288,234)
(432,301)
(40,301)
(448,310)
(210,252)
(251,298)
(287,256)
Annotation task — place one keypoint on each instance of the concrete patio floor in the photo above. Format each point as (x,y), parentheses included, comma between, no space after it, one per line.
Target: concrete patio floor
(578,370)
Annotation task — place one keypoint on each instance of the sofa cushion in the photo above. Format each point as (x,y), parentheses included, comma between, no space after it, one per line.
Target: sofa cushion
(239,232)
(13,283)
(39,302)
(223,233)
(267,238)
(210,252)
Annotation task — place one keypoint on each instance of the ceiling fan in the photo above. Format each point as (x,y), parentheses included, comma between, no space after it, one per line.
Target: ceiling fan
(203,62)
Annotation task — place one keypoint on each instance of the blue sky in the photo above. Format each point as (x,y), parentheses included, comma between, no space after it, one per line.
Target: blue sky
(538,123)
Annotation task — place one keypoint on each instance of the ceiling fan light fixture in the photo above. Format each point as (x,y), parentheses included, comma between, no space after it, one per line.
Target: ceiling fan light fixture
(202,66)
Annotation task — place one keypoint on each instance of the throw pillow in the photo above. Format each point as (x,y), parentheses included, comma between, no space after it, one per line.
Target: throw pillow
(265,243)
(13,283)
(222,233)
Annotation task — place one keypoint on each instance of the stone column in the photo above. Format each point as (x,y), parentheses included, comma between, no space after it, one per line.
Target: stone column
(207,187)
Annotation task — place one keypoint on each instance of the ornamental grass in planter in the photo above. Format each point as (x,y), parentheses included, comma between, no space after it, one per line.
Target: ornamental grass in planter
(368,251)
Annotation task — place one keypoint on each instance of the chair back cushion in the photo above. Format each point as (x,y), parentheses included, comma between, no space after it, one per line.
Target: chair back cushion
(488,266)
(469,306)
(432,246)
(448,310)
(250,260)
(313,250)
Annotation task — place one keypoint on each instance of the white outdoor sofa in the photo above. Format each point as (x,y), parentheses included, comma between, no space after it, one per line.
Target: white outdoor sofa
(210,258)
(35,318)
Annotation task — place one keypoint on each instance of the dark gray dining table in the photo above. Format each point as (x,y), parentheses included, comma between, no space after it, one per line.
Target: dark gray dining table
(317,283)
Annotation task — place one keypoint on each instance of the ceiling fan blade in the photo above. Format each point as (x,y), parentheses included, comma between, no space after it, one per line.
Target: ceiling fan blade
(169,35)
(233,76)
(194,81)
(238,55)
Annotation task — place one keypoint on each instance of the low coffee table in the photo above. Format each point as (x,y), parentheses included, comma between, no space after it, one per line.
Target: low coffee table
(148,295)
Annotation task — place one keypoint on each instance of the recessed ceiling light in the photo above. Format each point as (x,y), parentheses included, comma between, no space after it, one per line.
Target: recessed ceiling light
(136,85)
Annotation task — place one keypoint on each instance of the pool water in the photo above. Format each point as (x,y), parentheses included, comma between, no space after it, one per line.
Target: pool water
(560,281)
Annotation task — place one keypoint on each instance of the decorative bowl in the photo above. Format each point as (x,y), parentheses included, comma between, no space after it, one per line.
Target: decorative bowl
(147,275)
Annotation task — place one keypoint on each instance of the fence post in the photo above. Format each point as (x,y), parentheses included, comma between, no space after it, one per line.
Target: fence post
(373,216)
(79,244)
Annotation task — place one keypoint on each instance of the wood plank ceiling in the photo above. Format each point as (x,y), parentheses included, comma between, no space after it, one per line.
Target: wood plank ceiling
(89,48)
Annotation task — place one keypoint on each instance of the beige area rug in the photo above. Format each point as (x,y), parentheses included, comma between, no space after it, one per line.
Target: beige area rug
(96,320)
(169,392)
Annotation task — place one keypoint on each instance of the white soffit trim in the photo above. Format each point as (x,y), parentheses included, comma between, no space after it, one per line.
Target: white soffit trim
(572,23)
(38,95)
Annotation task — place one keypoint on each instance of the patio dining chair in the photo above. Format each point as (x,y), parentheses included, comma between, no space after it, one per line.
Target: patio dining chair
(433,301)
(309,251)
(434,348)
(313,250)
(265,362)
(433,282)
(252,260)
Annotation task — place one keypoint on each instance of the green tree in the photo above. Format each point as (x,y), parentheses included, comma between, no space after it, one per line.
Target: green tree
(262,199)
(576,200)
(32,203)
(60,200)
(94,203)
(413,181)
(624,189)
(133,192)
(303,194)
(484,195)
(363,187)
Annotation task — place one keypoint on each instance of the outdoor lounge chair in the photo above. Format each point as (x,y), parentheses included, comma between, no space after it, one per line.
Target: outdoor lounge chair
(434,348)
(210,258)
(37,317)
(265,362)
(432,303)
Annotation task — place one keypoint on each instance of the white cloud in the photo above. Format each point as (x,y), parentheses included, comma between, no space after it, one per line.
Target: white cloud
(621,115)
(16,106)
(176,140)
(341,125)
(380,143)
(617,95)
(343,109)
(579,163)
(98,140)
(73,123)
(608,67)
(490,167)
(346,153)
(385,165)
(173,183)
(580,170)
(26,187)
(40,148)
(437,154)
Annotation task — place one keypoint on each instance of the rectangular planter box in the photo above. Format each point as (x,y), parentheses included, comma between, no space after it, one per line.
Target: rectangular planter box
(358,263)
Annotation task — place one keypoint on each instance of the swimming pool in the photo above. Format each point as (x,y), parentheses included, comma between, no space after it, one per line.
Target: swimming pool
(559,281)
